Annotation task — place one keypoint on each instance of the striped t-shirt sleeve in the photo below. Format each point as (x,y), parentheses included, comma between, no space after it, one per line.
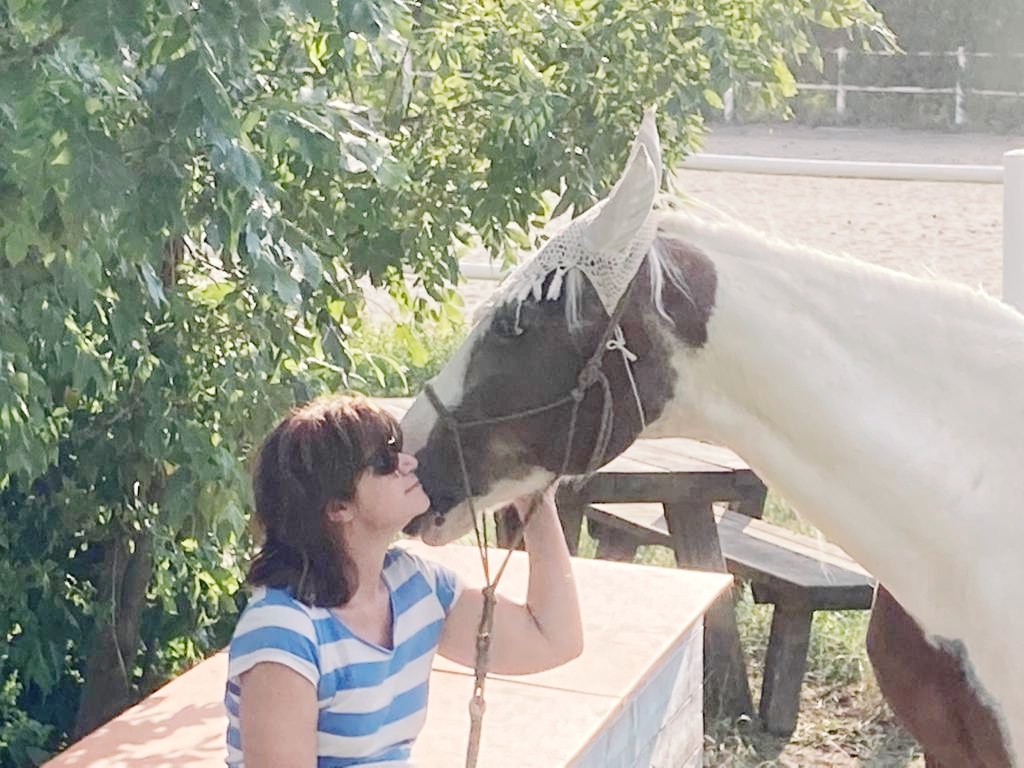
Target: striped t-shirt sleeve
(275,628)
(447,584)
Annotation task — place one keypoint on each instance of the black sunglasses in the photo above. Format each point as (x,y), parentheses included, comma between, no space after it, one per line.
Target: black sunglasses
(384,461)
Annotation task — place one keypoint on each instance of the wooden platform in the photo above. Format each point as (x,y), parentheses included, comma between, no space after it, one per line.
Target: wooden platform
(633,699)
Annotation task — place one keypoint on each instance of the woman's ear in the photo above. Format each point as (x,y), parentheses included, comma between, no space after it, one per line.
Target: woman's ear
(340,511)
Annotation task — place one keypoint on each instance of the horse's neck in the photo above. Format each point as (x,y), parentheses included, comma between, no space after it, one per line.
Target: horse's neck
(887,410)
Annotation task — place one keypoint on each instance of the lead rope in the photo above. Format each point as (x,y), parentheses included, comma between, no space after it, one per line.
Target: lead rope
(477,704)
(591,373)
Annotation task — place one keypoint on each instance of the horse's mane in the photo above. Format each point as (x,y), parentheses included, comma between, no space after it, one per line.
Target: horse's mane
(703,225)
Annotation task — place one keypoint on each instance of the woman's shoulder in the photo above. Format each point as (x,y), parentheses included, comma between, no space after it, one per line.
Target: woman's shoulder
(265,597)
(405,568)
(400,562)
(275,627)
(275,606)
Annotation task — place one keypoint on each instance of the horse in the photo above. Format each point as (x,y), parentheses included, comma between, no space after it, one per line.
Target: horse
(888,409)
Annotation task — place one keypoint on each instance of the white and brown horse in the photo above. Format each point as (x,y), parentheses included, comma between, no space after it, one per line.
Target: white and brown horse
(889,410)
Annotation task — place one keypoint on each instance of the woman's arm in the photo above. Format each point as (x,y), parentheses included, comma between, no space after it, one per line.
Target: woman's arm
(277,718)
(545,632)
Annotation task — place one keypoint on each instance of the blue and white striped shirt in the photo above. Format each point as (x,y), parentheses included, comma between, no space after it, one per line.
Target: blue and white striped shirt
(372,700)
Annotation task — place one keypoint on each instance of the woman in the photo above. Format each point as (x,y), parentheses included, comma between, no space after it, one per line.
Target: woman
(330,660)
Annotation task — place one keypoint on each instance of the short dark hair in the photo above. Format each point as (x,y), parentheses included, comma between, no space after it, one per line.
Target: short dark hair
(311,460)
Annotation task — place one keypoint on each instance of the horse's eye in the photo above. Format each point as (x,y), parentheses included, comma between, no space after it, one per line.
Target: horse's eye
(507,324)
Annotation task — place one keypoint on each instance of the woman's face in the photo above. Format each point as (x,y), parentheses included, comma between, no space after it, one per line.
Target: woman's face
(388,494)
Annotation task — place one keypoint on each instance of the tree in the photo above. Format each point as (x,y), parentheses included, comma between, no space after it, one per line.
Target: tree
(189,192)
(991,26)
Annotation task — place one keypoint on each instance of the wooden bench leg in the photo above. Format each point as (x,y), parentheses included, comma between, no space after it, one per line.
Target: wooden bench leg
(570,514)
(695,540)
(508,528)
(612,544)
(784,668)
(752,503)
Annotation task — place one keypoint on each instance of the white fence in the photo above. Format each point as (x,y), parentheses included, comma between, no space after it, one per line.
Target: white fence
(959,91)
(785,166)
(1013,228)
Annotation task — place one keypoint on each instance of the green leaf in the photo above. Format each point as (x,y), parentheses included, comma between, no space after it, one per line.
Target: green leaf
(287,287)
(713,99)
(13,343)
(154,287)
(310,266)
(418,353)
(318,9)
(16,246)
(786,81)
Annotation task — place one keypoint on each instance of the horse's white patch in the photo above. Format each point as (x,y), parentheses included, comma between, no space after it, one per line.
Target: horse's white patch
(421,418)
(888,410)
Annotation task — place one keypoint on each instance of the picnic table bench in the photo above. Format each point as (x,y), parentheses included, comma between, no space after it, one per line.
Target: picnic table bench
(797,574)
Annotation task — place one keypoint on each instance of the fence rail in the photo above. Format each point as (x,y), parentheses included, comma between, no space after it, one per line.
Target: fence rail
(846,169)
(959,90)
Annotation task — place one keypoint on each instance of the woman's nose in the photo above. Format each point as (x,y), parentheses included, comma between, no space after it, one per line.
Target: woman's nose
(407,463)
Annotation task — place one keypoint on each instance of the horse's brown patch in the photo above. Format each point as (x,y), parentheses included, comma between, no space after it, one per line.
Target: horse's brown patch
(930,692)
(691,310)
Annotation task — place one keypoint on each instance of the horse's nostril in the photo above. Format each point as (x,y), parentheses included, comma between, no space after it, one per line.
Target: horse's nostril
(440,503)
(414,526)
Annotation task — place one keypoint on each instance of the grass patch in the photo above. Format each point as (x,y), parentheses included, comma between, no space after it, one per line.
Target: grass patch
(844,721)
(397,359)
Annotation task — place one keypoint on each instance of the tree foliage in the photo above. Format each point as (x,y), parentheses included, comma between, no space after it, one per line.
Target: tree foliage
(189,193)
(992,26)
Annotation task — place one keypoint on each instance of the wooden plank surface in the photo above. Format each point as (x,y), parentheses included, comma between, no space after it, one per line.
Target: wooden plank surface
(817,549)
(650,456)
(761,551)
(636,621)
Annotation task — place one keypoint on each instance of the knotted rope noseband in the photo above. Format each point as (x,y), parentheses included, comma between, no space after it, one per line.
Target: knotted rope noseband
(590,374)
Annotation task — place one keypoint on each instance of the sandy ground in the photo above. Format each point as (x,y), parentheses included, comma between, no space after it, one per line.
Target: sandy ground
(948,230)
(936,229)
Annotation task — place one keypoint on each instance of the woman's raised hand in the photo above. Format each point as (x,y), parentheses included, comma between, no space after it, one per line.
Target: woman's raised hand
(542,502)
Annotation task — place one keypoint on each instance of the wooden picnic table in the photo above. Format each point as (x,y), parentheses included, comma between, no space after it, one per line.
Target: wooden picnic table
(687,477)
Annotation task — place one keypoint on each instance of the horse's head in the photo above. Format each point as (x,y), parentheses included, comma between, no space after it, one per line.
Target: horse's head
(526,411)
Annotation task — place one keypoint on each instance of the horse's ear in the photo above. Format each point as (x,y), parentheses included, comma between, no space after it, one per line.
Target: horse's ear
(617,219)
